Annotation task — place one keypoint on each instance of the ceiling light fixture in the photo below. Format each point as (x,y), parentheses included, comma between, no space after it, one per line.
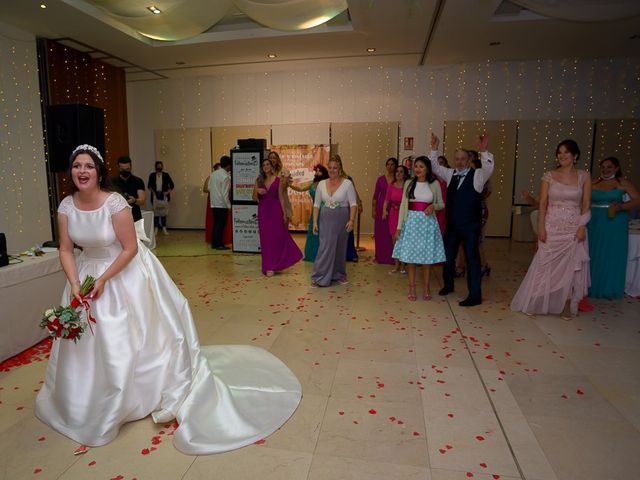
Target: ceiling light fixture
(155,10)
(272,55)
(42,5)
(371,49)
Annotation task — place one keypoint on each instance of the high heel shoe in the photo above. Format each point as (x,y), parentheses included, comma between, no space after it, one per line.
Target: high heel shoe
(460,273)
(486,270)
(412,293)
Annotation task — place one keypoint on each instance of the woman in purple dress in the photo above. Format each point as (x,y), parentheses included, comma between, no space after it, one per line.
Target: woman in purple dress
(384,243)
(278,249)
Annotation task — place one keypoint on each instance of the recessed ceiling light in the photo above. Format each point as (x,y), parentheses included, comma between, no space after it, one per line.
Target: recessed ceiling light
(155,10)
(371,49)
(494,44)
(272,55)
(42,5)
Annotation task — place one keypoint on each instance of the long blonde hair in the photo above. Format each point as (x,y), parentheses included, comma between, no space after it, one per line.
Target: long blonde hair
(336,158)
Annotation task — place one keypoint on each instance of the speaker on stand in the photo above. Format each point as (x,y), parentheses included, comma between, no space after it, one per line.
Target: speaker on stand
(68,126)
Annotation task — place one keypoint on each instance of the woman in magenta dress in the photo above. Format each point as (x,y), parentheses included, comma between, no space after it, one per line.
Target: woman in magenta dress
(559,272)
(278,249)
(383,241)
(391,208)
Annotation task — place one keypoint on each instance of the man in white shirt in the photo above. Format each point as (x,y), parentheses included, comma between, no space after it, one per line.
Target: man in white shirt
(464,215)
(219,187)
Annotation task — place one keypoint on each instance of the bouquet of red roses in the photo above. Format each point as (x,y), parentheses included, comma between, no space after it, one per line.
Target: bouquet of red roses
(66,322)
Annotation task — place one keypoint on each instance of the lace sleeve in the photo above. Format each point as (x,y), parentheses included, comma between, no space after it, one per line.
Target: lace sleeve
(582,177)
(115,203)
(65,205)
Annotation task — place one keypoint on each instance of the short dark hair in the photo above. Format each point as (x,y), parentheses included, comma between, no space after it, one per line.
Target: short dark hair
(225,161)
(124,159)
(159,162)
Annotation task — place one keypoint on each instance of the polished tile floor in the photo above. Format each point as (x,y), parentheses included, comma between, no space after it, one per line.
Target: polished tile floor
(392,389)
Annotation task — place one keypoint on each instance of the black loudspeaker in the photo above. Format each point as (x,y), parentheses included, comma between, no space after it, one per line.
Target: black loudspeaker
(4,257)
(257,144)
(69,126)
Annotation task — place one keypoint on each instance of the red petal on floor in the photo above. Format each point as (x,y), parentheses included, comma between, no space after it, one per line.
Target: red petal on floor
(262,441)
(42,439)
(483,465)
(92,463)
(36,471)
(469,475)
(81,449)
(340,413)
(489,357)
(145,451)
(480,438)
(579,392)
(416,434)
(450,415)
(372,412)
(442,451)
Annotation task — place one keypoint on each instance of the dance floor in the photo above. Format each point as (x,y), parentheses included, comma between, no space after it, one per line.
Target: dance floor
(392,389)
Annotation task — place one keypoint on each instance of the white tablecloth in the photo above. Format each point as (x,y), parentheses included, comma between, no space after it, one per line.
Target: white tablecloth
(27,289)
(147,216)
(632,283)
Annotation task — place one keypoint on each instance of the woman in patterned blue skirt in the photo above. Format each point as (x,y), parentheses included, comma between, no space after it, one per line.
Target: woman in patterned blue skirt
(419,241)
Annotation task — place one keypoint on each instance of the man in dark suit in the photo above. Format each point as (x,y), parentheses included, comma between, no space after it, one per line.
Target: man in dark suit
(130,187)
(160,185)
(464,214)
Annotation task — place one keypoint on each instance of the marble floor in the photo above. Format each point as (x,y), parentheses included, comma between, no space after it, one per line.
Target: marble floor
(392,389)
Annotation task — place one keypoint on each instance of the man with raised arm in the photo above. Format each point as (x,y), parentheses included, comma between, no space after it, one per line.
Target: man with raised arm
(464,214)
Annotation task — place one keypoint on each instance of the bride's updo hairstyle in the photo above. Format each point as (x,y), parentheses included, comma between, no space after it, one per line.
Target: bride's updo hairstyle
(101,168)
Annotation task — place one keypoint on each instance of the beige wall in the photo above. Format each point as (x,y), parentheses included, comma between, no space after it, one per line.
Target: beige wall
(186,155)
(24,197)
(502,144)
(364,149)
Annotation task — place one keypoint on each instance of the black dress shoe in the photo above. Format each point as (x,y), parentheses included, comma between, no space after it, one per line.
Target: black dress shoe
(470,302)
(445,291)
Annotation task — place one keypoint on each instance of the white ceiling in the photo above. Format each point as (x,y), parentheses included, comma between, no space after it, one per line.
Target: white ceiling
(403,32)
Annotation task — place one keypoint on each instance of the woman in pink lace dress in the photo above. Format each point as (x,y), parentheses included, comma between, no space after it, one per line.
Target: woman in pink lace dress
(559,271)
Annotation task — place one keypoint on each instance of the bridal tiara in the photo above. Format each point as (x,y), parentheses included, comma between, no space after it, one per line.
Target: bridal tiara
(90,148)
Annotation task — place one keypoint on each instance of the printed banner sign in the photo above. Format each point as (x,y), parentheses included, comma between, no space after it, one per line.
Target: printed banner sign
(245,228)
(245,168)
(299,160)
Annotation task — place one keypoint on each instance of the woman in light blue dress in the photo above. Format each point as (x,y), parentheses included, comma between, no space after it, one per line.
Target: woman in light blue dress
(419,241)
(609,230)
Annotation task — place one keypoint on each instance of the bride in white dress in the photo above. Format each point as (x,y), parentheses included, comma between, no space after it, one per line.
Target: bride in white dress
(144,357)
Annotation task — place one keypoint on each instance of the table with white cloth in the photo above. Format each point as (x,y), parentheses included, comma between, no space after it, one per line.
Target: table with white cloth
(27,289)
(632,283)
(149,230)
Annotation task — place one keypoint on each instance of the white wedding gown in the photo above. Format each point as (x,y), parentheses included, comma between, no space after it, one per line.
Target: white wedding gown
(144,358)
